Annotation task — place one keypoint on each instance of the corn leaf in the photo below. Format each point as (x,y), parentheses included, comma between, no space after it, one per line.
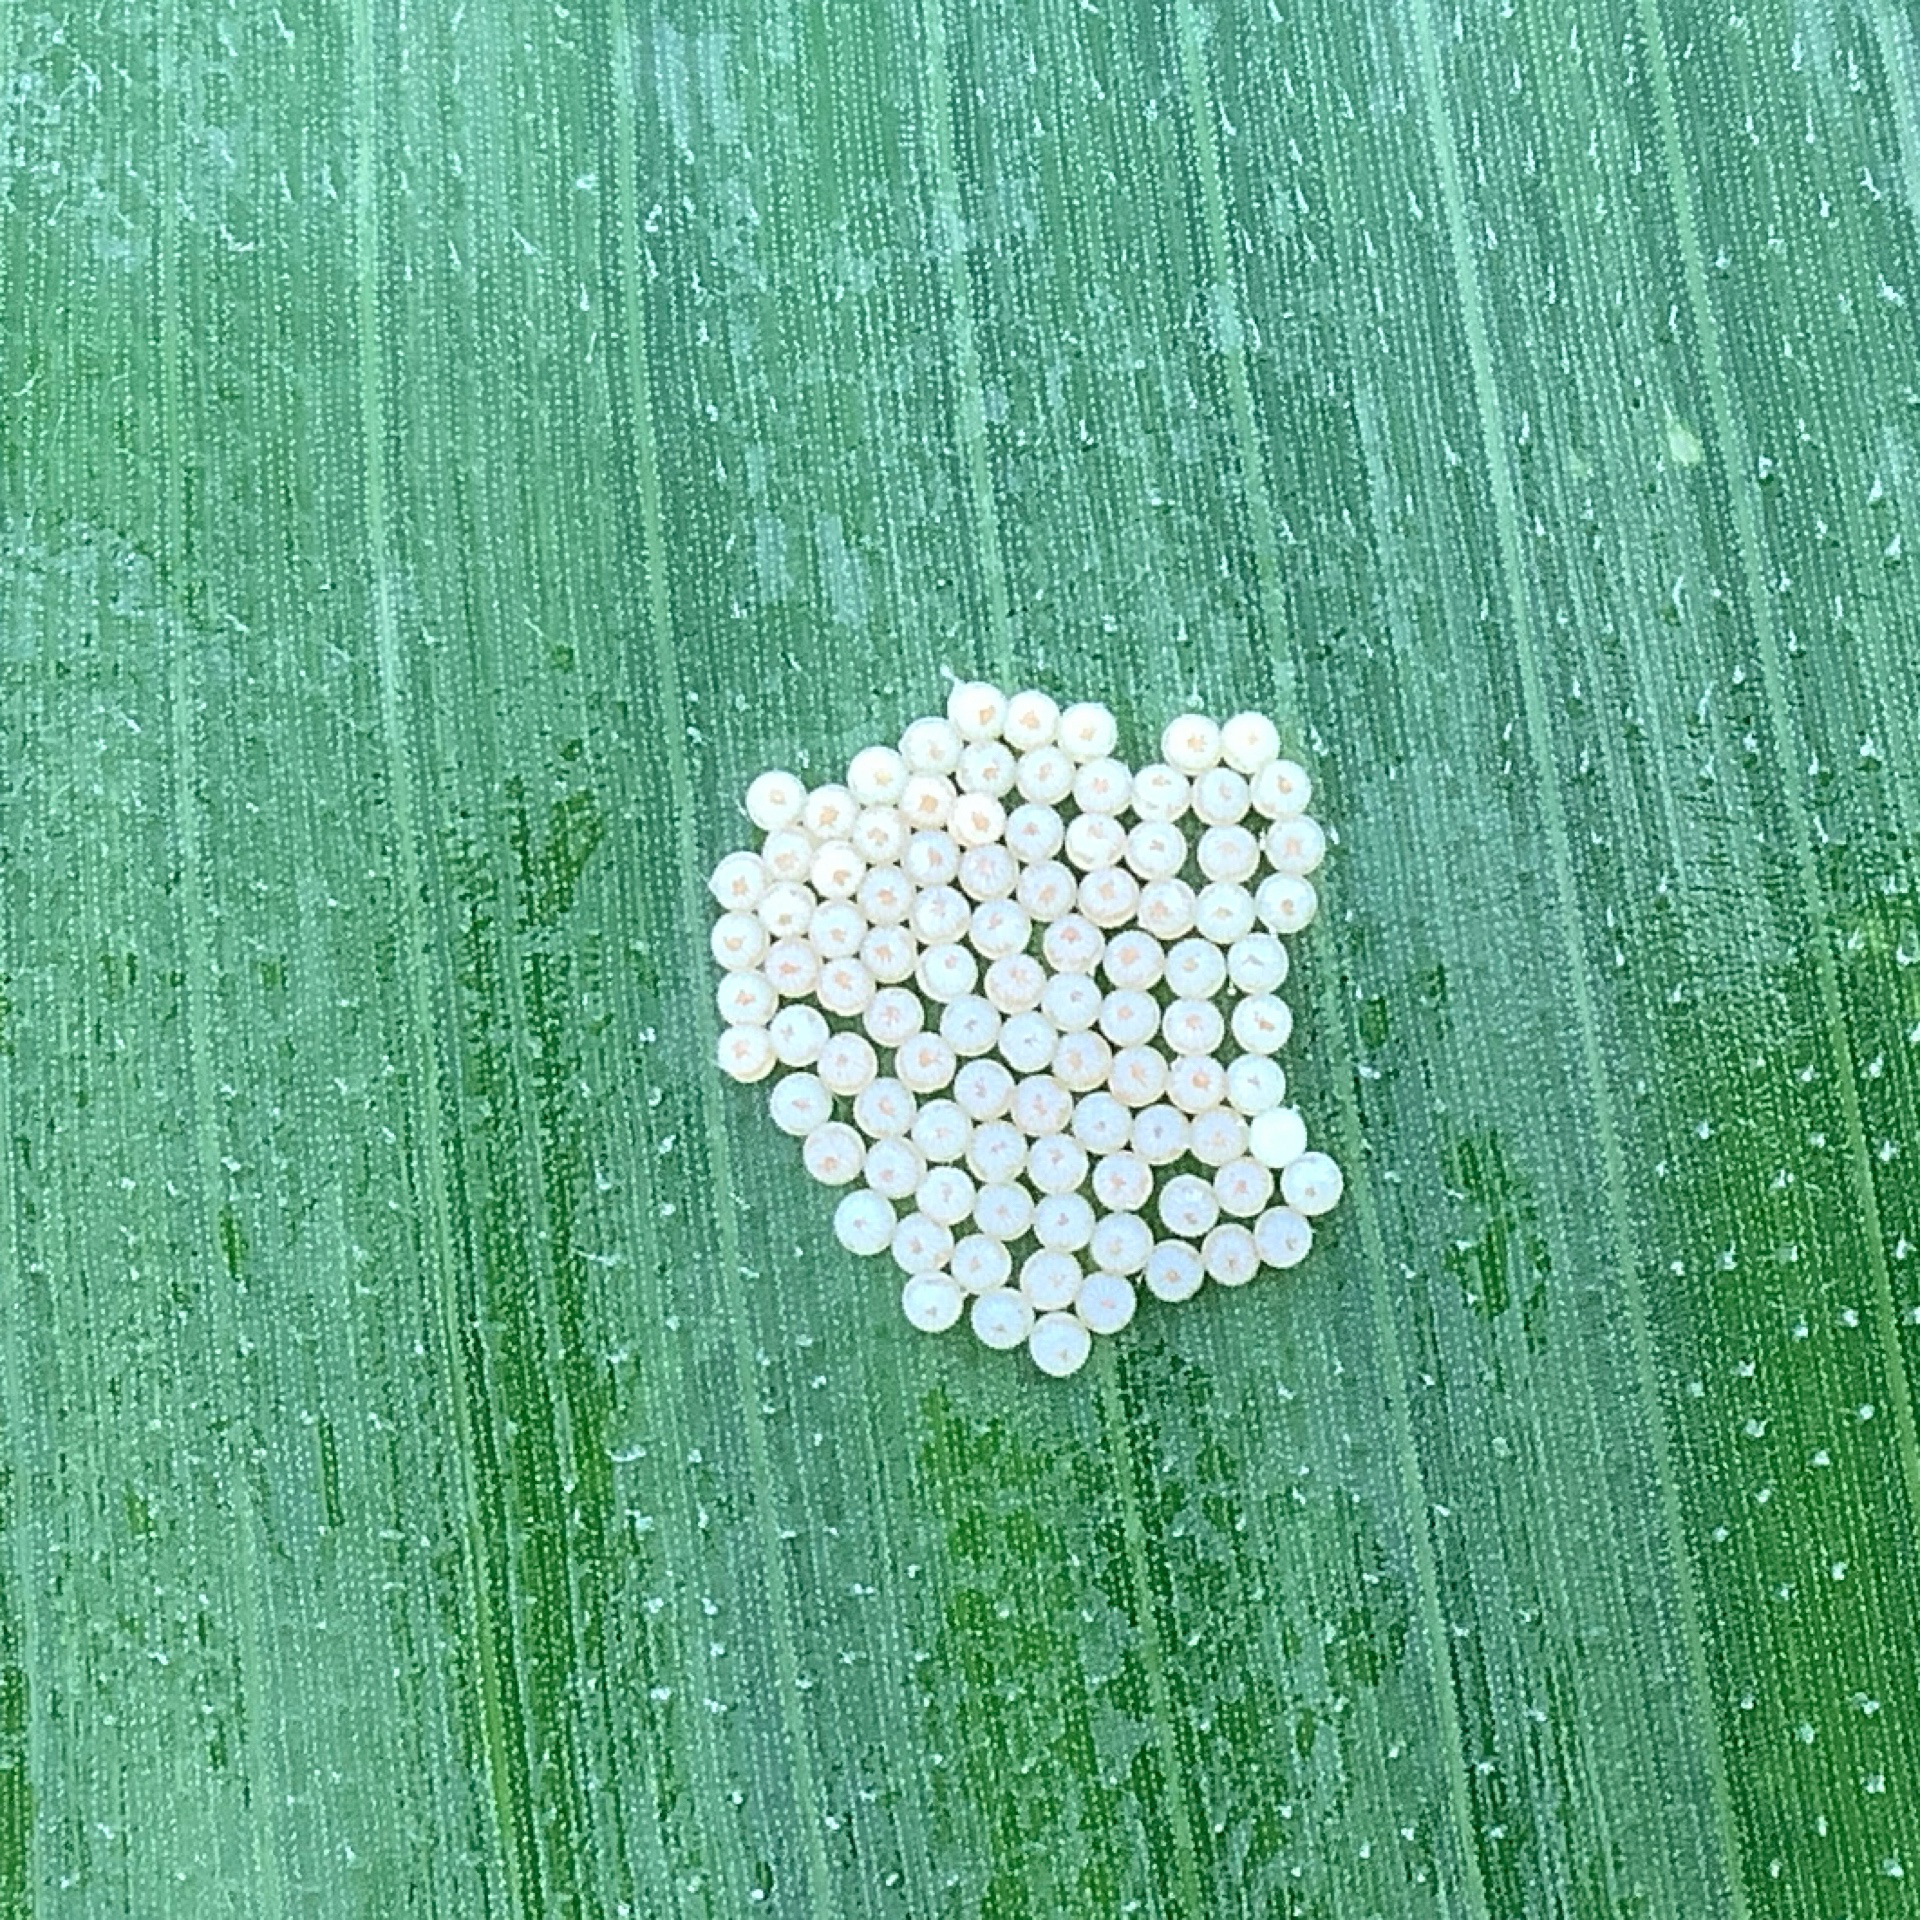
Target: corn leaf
(449,1468)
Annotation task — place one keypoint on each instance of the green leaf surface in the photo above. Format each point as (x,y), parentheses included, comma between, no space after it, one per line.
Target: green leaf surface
(446,1465)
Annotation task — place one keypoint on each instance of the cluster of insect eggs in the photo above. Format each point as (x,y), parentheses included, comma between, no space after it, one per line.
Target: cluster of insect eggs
(989,989)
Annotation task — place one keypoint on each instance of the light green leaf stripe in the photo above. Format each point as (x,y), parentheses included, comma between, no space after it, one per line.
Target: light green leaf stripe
(1623,1254)
(446,1465)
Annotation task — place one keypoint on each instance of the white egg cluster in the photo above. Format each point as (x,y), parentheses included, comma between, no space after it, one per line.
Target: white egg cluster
(1024,1002)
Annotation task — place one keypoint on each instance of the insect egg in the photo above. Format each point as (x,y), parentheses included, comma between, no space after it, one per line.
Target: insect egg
(863,1222)
(1220,796)
(1277,1137)
(986,767)
(1034,832)
(1230,1255)
(774,801)
(930,747)
(997,1153)
(970,1025)
(847,1064)
(1195,969)
(1187,1205)
(739,881)
(1160,792)
(785,909)
(739,941)
(1000,928)
(940,915)
(1173,1270)
(1056,1163)
(983,1089)
(1046,890)
(885,896)
(932,858)
(1122,1181)
(833,1153)
(1217,1136)
(1191,744)
(1229,853)
(884,1108)
(946,1195)
(876,777)
(1050,1279)
(1059,1344)
(1001,1319)
(1243,1187)
(889,954)
(747,999)
(1101,1123)
(1095,840)
(788,854)
(1296,845)
(836,930)
(976,819)
(1015,983)
(1160,1134)
(1132,959)
(1262,1023)
(1044,776)
(1166,908)
(1192,1026)
(920,1244)
(928,802)
(1312,1184)
(1027,1042)
(1030,721)
(1063,1221)
(1139,1076)
(1002,1210)
(798,1034)
(1040,1105)
(1120,1243)
(1223,912)
(828,812)
(793,966)
(1282,1237)
(1248,742)
(941,1131)
(1280,788)
(1082,1061)
(925,1064)
(1105,1303)
(1071,1001)
(975,710)
(845,987)
(895,1169)
(1073,944)
(1257,963)
(988,872)
(1088,731)
(1286,902)
(1109,897)
(879,835)
(1156,849)
(745,1053)
(1255,1083)
(981,1263)
(931,1302)
(1102,786)
(1129,1018)
(1195,1082)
